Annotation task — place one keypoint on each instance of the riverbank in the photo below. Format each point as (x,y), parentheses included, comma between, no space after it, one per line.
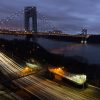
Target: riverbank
(23,51)
(73,38)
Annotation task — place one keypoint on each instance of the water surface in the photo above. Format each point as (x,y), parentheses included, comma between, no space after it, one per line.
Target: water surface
(91,52)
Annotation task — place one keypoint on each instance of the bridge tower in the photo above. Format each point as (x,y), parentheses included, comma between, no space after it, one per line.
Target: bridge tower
(84,31)
(84,36)
(30,12)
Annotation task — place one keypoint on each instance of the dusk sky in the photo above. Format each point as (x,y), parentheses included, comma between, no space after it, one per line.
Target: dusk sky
(67,15)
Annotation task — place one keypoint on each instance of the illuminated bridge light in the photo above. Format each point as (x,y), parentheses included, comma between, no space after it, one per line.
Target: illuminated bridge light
(76,78)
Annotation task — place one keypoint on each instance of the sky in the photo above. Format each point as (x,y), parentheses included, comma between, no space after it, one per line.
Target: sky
(70,16)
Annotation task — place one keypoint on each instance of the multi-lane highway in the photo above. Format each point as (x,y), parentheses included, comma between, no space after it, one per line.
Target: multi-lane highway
(41,87)
(45,89)
(48,90)
(8,66)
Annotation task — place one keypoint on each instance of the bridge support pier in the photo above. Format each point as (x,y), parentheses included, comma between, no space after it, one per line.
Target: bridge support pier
(30,12)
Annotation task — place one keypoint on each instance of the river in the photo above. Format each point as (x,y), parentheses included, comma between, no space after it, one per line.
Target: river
(91,52)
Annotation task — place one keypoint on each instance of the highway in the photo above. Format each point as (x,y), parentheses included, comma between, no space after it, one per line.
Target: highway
(48,90)
(9,67)
(43,88)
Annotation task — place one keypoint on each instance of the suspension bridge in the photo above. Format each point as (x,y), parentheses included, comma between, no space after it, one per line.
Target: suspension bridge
(26,21)
(30,22)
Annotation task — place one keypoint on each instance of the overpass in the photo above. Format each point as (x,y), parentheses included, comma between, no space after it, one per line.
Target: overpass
(78,79)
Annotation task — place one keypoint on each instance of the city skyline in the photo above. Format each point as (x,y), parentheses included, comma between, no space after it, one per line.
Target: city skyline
(69,16)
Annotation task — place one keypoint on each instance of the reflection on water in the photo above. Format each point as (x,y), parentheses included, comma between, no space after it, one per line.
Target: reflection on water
(69,48)
(89,51)
(11,37)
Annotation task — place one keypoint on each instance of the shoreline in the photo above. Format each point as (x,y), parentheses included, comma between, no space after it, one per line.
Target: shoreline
(26,50)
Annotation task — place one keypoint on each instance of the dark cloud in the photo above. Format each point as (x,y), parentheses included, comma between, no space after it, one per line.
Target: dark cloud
(67,15)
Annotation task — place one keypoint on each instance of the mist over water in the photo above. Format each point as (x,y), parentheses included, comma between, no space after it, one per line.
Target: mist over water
(91,52)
